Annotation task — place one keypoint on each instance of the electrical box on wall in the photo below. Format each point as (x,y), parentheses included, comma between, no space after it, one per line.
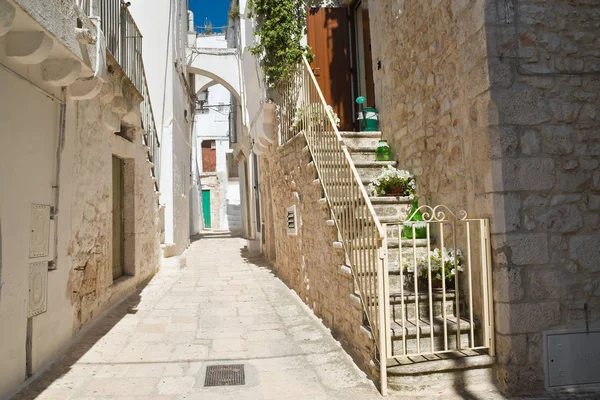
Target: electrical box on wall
(38,288)
(292,221)
(572,358)
(39,234)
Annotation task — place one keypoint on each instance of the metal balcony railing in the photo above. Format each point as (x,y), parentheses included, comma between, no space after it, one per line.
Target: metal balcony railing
(123,39)
(124,42)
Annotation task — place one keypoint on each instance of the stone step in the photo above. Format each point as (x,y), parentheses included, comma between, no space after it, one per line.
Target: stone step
(374,164)
(410,308)
(367,173)
(394,212)
(440,372)
(362,140)
(393,243)
(410,329)
(363,154)
(410,305)
(352,134)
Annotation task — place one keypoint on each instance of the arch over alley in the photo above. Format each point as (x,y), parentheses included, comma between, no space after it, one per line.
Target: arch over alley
(220,65)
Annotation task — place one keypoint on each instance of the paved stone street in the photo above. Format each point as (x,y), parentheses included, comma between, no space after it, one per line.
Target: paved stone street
(220,309)
(223,308)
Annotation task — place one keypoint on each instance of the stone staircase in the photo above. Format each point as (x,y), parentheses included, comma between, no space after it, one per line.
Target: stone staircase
(424,372)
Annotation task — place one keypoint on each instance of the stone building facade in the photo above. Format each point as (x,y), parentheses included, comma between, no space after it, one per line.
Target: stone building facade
(65,115)
(493,104)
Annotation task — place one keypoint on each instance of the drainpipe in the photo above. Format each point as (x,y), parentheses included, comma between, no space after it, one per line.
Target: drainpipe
(56,185)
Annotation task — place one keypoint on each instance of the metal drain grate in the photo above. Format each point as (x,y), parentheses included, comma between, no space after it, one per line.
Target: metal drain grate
(225,375)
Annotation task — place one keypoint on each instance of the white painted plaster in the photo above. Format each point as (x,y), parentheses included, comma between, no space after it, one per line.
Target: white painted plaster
(165,26)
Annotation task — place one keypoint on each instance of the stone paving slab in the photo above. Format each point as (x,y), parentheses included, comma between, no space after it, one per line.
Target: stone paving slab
(223,308)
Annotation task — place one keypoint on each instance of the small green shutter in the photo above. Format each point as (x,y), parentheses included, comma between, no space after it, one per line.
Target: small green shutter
(206,208)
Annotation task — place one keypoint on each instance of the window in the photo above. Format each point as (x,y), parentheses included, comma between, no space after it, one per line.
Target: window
(209,156)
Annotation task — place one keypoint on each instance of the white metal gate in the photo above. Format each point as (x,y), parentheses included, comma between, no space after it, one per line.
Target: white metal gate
(439,285)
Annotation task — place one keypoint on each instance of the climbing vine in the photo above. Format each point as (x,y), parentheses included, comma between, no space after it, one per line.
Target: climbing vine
(281,24)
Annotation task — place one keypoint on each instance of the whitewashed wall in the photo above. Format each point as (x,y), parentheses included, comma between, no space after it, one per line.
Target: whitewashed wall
(164,26)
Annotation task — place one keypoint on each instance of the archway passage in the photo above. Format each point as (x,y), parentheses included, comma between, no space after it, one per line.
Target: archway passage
(220,65)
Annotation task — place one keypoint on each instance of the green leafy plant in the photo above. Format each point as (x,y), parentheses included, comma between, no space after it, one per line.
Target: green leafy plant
(452,260)
(281,24)
(235,12)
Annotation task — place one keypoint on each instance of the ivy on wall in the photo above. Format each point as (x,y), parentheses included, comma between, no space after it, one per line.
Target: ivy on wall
(281,24)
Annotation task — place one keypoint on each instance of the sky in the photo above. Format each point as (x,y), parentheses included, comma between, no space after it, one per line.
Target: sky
(215,10)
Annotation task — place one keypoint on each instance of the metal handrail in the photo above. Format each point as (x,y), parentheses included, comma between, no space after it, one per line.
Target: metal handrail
(304,110)
(151,137)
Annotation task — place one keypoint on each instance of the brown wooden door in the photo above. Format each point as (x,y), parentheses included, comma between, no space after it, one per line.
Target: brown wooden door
(328,38)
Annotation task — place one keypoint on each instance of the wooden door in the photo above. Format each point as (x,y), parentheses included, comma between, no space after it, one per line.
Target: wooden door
(329,40)
(117,218)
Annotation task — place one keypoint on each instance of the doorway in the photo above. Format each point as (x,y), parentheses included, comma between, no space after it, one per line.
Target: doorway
(364,57)
(328,35)
(206,208)
(118,218)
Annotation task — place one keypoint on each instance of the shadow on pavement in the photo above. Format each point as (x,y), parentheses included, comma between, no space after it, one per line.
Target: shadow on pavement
(81,345)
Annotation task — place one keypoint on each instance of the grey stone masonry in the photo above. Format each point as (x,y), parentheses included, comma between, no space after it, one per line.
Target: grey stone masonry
(495,107)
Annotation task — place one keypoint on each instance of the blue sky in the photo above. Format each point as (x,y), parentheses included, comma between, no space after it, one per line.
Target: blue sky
(215,10)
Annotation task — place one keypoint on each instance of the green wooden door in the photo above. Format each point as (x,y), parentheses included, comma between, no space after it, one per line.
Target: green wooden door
(206,208)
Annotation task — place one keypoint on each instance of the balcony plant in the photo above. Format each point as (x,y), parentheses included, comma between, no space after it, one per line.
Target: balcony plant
(453,262)
(312,111)
(393,182)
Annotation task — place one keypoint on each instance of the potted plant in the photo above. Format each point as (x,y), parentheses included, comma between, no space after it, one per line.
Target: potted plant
(393,182)
(312,112)
(453,260)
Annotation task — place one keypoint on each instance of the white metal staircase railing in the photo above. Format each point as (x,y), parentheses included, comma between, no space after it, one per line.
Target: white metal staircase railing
(303,109)
(150,138)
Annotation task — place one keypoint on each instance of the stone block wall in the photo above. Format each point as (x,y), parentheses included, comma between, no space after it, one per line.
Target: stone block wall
(308,263)
(91,287)
(544,66)
(432,92)
(493,104)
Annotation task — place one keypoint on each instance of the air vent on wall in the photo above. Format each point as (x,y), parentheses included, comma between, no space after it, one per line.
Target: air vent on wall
(292,225)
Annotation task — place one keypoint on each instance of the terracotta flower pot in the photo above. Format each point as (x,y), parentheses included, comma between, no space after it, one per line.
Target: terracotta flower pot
(397,190)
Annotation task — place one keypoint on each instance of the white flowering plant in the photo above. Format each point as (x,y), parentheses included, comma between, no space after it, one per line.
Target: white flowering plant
(393,181)
(453,260)
(313,112)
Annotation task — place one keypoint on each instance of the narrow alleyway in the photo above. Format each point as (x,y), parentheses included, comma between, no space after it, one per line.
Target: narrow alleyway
(222,309)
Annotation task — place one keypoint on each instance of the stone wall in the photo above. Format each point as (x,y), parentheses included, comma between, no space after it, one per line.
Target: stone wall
(544,64)
(215,182)
(432,92)
(494,106)
(308,263)
(91,287)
